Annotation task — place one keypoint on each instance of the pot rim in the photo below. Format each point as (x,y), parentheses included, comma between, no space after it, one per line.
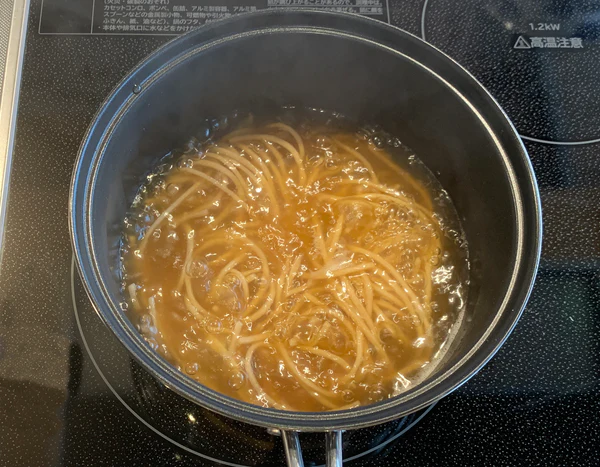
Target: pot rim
(268,22)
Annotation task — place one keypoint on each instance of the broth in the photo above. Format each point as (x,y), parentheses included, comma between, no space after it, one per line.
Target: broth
(308,267)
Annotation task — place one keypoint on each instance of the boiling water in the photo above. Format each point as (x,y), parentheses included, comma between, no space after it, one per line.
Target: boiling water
(312,271)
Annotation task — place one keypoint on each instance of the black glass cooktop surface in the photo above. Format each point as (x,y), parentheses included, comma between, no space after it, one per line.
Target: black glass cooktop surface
(70,394)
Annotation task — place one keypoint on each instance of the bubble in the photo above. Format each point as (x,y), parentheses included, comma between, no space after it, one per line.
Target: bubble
(185,164)
(419,342)
(146,320)
(198,269)
(214,326)
(156,233)
(152,343)
(204,133)
(236,381)
(124,306)
(215,124)
(378,141)
(324,142)
(338,342)
(386,335)
(377,392)
(172,189)
(191,368)
(166,353)
(160,186)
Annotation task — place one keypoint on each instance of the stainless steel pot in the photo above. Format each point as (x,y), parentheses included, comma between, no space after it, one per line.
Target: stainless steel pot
(365,70)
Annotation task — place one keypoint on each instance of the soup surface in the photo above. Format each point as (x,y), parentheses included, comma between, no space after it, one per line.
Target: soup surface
(304,267)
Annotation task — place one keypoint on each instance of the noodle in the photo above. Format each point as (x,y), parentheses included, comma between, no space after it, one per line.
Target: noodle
(200,211)
(219,185)
(325,354)
(270,139)
(269,174)
(250,372)
(368,293)
(323,290)
(361,158)
(165,213)
(315,391)
(188,256)
(335,236)
(357,360)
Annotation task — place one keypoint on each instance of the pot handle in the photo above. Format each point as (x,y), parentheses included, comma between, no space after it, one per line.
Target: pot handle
(293,450)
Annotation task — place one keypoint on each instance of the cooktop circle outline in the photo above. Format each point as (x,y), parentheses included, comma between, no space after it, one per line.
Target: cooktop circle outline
(178,444)
(527,138)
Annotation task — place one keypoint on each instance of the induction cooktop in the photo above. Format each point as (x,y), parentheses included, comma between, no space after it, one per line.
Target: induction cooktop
(71,395)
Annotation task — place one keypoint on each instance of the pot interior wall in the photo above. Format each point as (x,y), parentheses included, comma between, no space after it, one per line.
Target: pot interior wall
(358,79)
